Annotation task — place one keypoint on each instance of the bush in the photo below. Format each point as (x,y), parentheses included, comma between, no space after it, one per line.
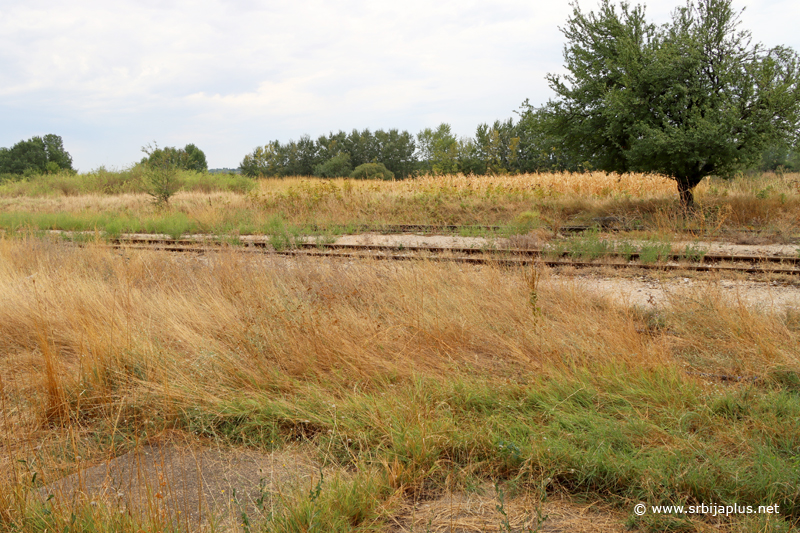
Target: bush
(206,182)
(337,166)
(161,175)
(188,158)
(372,171)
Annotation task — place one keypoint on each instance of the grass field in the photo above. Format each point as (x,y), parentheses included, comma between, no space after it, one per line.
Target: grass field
(231,205)
(407,383)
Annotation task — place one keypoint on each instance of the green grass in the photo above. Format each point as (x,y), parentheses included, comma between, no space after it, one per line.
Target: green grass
(281,235)
(614,434)
(590,245)
(103,181)
(654,252)
(618,435)
(173,224)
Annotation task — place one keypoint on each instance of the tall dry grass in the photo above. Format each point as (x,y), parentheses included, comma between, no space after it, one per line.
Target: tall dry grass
(768,202)
(103,349)
(85,329)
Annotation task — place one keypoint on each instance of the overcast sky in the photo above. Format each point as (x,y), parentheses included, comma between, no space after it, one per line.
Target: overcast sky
(109,77)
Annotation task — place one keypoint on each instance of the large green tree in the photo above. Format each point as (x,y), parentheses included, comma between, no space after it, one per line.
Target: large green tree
(692,98)
(438,150)
(36,155)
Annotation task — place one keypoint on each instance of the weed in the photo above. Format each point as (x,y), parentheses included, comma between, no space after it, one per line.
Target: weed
(589,246)
(505,525)
(652,252)
(518,204)
(626,250)
(694,253)
(281,237)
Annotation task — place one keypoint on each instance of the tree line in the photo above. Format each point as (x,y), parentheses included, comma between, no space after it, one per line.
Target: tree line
(37,155)
(526,145)
(503,147)
(690,98)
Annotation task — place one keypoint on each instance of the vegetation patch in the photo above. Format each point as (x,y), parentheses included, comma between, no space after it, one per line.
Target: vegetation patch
(407,383)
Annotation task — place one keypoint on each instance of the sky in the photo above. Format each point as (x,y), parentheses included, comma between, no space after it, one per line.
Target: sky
(111,77)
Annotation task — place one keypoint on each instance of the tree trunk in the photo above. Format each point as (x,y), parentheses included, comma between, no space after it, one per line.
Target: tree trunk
(686,185)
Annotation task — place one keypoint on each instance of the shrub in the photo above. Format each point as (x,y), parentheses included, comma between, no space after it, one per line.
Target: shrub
(206,182)
(161,175)
(372,171)
(337,166)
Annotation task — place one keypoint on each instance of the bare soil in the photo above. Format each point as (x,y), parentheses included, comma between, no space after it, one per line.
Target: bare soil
(187,484)
(651,292)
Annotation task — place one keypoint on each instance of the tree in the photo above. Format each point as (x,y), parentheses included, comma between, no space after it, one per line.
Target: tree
(688,99)
(304,157)
(54,147)
(195,159)
(36,155)
(188,158)
(362,146)
(264,161)
(498,146)
(338,166)
(540,149)
(161,173)
(438,150)
(396,151)
(780,158)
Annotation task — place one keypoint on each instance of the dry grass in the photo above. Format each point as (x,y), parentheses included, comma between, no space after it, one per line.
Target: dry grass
(547,183)
(103,349)
(768,202)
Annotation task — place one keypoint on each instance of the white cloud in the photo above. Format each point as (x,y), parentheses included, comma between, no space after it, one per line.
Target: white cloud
(229,75)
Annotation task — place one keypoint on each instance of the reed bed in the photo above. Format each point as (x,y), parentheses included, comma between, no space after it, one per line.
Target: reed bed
(420,378)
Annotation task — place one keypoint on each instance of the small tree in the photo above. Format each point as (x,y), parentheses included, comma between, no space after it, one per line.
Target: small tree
(688,99)
(161,174)
(188,158)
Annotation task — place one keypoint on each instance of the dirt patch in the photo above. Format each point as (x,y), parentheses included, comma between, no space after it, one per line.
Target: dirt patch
(468,513)
(408,241)
(187,485)
(534,241)
(752,250)
(650,292)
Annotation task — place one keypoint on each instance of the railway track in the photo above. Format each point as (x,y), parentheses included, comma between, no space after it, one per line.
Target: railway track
(606,224)
(486,255)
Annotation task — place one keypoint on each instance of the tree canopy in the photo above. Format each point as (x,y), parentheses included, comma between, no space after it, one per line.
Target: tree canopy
(37,155)
(688,99)
(188,158)
(305,156)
